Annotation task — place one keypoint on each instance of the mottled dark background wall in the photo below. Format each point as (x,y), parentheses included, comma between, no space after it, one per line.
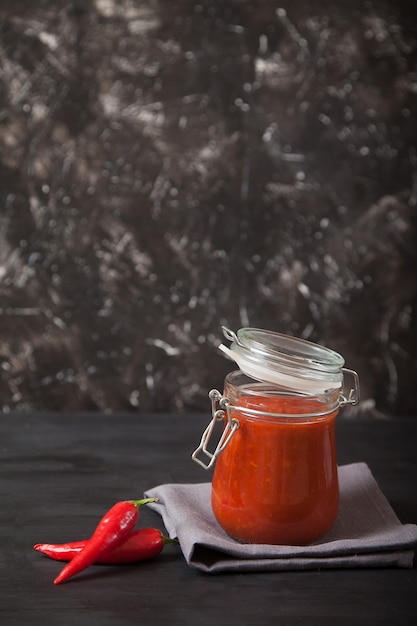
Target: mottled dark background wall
(169,167)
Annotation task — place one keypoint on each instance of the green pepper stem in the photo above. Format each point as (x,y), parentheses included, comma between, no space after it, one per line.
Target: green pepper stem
(169,540)
(139,503)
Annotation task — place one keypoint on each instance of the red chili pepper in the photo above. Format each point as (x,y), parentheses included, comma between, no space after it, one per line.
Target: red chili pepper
(110,532)
(141,544)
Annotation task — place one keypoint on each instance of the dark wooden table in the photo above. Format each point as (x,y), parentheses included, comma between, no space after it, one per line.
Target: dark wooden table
(59,472)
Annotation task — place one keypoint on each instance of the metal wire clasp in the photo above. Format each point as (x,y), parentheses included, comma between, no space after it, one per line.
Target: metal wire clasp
(353,395)
(229,430)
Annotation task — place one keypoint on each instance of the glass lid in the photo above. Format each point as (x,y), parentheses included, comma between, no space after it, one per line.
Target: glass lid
(286,361)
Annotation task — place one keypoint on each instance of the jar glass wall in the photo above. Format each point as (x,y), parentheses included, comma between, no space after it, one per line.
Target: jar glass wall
(276,480)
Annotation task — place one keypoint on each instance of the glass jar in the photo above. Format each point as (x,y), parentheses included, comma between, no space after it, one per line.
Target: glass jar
(275,469)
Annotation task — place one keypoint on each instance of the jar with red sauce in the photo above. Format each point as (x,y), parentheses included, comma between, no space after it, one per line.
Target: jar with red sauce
(275,478)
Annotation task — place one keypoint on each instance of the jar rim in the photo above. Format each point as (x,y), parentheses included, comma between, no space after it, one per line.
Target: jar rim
(237,385)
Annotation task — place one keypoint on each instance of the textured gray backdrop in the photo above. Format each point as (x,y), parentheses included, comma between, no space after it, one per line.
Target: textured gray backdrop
(169,167)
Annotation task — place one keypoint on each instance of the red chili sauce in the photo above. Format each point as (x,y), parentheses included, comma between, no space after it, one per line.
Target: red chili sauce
(276,481)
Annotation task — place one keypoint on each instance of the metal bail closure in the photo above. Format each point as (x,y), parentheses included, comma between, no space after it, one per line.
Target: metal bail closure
(229,430)
(352,397)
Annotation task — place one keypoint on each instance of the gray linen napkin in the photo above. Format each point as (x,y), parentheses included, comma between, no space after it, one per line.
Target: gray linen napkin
(367,533)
